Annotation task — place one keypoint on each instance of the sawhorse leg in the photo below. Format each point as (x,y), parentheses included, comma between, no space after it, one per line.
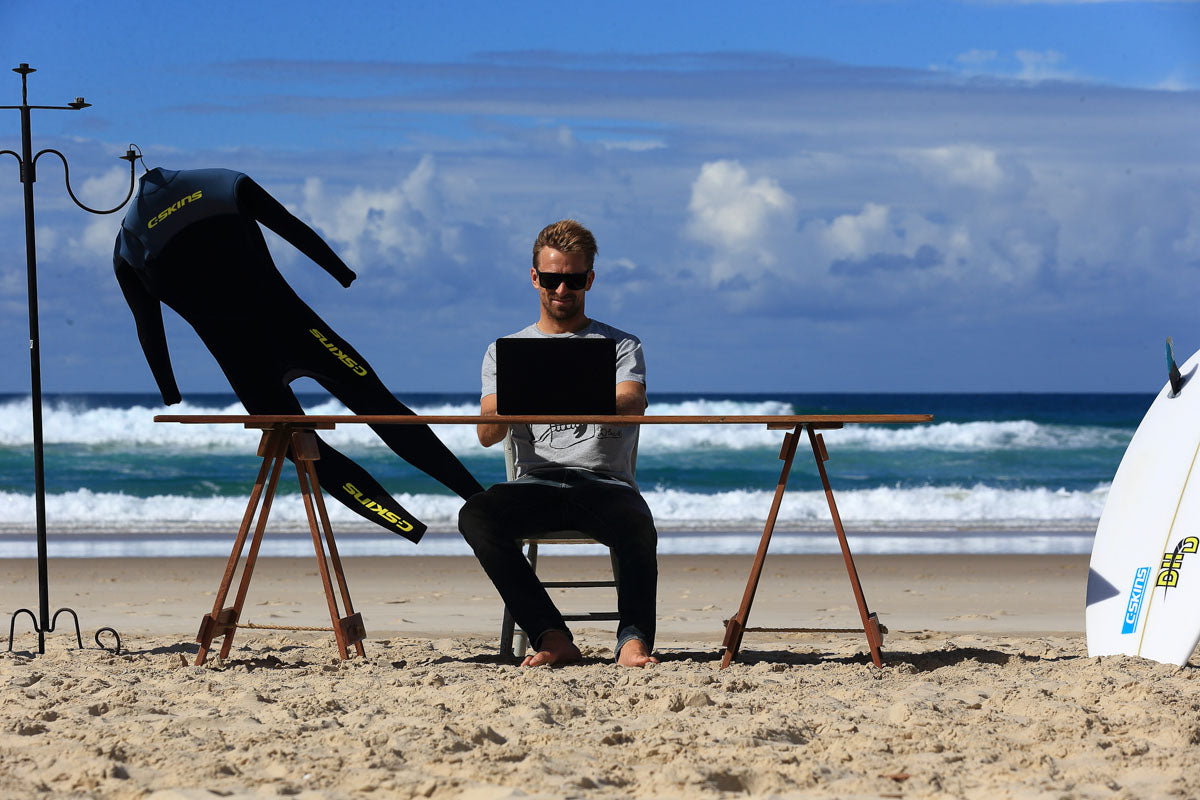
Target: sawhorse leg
(870,620)
(273,448)
(347,630)
(736,625)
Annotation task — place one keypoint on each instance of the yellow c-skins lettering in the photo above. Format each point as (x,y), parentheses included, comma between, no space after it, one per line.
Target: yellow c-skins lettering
(371,505)
(357,368)
(171,209)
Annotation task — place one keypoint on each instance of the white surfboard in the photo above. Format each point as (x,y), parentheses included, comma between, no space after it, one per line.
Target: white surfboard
(1143,591)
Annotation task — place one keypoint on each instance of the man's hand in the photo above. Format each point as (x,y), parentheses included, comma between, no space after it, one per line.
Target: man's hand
(488,432)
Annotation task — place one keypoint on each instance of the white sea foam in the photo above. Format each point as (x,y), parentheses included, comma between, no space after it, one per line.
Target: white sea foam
(926,508)
(978,436)
(120,428)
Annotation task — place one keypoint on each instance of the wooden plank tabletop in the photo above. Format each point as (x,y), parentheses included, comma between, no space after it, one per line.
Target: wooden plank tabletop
(260,420)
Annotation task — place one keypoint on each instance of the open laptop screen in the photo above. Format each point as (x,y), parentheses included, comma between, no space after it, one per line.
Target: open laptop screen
(556,376)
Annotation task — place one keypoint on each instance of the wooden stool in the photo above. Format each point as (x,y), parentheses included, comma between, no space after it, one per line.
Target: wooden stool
(277,440)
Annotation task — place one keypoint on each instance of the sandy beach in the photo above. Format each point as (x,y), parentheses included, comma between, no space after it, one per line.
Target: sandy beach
(986,692)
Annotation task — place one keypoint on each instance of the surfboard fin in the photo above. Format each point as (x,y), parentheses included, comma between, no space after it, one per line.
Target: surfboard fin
(1173,369)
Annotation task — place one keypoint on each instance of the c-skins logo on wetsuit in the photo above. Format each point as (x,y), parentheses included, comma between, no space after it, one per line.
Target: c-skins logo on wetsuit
(358,368)
(171,209)
(371,505)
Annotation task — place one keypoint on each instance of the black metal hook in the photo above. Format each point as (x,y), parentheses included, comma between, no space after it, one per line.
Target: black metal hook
(54,621)
(12,625)
(116,650)
(129,156)
(135,152)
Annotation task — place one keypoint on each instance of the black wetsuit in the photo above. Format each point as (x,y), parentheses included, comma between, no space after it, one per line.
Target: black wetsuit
(190,240)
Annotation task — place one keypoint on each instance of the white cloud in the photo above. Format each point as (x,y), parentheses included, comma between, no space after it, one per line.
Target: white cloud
(966,165)
(976,57)
(387,221)
(1178,81)
(97,240)
(734,215)
(634,145)
(13,283)
(46,239)
(104,191)
(1042,65)
(1031,66)
(77,238)
(90,248)
(857,235)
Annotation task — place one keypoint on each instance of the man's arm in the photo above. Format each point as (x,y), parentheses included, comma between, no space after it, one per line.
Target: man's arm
(489,432)
(631,397)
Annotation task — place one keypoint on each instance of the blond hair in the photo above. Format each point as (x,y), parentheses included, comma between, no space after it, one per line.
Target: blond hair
(566,236)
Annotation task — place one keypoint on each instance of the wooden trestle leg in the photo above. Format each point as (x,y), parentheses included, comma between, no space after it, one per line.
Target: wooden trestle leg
(870,621)
(736,625)
(348,630)
(273,448)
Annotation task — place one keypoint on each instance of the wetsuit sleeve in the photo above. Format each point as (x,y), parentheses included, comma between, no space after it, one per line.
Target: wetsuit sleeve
(270,212)
(147,314)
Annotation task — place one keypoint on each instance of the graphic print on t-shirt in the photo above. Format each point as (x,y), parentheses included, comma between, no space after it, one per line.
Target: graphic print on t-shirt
(561,437)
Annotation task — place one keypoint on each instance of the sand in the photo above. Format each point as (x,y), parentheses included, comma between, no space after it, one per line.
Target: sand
(987,690)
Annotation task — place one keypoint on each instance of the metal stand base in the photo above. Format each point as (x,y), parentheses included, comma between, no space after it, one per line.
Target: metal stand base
(12,625)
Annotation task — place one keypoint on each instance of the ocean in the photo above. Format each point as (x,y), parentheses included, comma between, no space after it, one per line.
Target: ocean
(993,473)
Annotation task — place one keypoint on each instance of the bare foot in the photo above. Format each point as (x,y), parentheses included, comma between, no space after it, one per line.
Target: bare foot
(557,648)
(635,654)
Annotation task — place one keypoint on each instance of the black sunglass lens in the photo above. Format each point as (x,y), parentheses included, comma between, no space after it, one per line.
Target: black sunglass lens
(551,280)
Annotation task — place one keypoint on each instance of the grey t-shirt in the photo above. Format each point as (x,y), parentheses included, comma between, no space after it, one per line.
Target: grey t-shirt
(604,451)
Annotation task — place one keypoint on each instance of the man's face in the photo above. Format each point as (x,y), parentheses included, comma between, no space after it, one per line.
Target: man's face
(562,303)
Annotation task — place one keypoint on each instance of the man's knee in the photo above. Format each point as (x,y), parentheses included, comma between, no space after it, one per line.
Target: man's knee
(639,533)
(475,521)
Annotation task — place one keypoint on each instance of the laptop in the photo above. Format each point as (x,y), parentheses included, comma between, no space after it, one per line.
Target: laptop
(556,376)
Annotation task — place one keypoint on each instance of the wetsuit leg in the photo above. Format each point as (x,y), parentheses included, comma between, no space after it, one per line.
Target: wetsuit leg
(337,366)
(354,487)
(340,477)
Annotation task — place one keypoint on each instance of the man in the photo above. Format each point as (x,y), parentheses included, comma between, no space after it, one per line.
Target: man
(582,482)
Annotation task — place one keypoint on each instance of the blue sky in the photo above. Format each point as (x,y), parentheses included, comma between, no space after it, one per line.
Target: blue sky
(855,196)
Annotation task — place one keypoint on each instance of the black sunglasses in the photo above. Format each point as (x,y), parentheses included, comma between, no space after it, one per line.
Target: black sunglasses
(551,280)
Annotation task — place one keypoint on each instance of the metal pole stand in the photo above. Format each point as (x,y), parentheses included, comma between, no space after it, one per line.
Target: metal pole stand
(735,626)
(28,166)
(277,440)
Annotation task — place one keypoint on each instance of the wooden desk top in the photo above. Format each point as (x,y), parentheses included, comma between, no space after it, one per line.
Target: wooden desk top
(329,420)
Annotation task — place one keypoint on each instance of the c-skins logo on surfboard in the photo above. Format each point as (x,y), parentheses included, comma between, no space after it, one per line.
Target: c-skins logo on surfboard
(1138,593)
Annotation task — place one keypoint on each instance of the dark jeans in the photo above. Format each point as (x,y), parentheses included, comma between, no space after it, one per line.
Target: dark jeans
(492,522)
